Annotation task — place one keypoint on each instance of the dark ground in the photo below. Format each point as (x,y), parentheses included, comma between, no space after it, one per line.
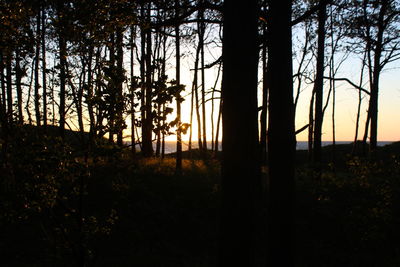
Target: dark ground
(139,213)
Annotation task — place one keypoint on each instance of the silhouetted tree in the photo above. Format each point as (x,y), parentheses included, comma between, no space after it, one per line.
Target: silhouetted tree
(240,160)
(281,137)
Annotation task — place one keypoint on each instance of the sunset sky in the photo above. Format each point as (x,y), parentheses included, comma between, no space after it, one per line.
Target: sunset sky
(346,104)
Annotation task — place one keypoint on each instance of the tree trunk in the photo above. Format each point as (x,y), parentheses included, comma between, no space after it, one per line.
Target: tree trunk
(132,91)
(263,116)
(3,90)
(281,137)
(240,162)
(148,122)
(90,98)
(178,168)
(9,88)
(120,81)
(44,80)
(63,60)
(112,84)
(373,100)
(354,150)
(18,85)
(319,88)
(37,60)
(203,79)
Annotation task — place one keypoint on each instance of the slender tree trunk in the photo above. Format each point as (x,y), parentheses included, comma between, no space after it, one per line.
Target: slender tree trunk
(9,88)
(191,119)
(203,79)
(132,91)
(196,96)
(333,85)
(37,61)
(311,127)
(90,98)
(148,123)
(18,81)
(359,106)
(213,109)
(281,136)
(44,80)
(3,89)
(28,99)
(319,88)
(112,84)
(263,116)
(217,131)
(178,169)
(240,162)
(143,77)
(120,80)
(63,61)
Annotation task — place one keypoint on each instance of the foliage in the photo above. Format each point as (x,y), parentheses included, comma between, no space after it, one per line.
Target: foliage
(349,218)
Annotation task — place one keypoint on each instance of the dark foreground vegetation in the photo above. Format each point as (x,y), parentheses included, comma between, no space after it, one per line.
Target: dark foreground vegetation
(61,206)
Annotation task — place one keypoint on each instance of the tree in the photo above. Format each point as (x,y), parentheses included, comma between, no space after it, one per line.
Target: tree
(178,95)
(319,86)
(281,145)
(375,23)
(240,161)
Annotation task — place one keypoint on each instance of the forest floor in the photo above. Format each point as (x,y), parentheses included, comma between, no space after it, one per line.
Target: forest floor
(58,210)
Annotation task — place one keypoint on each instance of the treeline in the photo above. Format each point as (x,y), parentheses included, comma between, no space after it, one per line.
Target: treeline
(94,65)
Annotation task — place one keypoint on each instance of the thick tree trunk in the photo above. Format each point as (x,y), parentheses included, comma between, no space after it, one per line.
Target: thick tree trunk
(281,142)
(373,104)
(240,162)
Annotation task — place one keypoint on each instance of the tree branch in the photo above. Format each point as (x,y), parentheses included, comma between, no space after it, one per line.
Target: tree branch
(310,12)
(350,82)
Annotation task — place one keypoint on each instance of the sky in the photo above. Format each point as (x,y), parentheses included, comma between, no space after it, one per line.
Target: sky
(346,98)
(346,105)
